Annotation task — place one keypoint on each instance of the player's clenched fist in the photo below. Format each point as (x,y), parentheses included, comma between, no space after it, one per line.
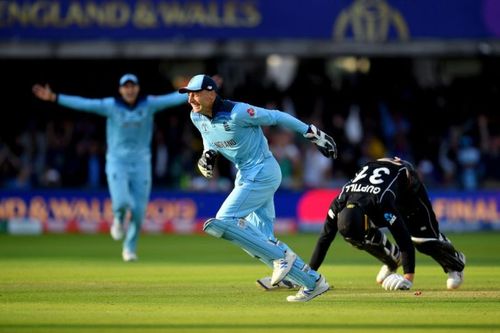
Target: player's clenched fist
(206,163)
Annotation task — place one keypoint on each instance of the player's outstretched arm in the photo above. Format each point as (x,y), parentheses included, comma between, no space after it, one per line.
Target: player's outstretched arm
(163,102)
(44,93)
(98,106)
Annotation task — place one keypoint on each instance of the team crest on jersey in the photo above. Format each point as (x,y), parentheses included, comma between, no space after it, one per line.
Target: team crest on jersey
(204,127)
(226,126)
(251,112)
(242,223)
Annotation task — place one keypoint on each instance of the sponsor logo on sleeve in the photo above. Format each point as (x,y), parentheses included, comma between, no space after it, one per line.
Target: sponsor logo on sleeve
(389,217)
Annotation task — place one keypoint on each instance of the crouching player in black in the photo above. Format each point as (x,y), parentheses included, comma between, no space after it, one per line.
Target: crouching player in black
(388,193)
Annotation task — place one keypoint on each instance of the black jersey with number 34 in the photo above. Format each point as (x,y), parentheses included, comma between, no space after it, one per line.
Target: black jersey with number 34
(381,189)
(378,187)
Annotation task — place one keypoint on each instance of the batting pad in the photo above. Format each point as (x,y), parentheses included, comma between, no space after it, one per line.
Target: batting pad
(246,236)
(442,251)
(255,243)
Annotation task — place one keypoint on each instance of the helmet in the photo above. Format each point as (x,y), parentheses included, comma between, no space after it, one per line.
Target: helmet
(353,223)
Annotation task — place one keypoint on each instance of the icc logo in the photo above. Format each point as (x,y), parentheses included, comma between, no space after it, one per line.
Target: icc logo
(370,21)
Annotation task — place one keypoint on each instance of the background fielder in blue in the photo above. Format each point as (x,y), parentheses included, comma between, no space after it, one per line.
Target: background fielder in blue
(246,217)
(129,128)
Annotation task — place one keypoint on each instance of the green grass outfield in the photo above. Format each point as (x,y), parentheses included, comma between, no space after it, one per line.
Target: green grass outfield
(78,283)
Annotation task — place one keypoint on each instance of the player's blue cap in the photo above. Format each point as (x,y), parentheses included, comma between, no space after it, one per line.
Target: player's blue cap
(199,82)
(129,78)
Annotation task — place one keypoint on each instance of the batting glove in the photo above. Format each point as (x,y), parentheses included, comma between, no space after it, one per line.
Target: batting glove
(323,141)
(396,282)
(206,163)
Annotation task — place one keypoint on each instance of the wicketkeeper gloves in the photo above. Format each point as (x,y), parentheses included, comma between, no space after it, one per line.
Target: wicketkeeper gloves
(396,282)
(323,141)
(206,163)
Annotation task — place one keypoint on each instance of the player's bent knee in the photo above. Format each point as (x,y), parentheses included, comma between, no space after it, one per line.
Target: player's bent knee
(214,227)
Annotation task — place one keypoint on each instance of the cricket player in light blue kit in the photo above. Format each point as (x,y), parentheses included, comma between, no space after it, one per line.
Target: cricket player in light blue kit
(129,128)
(246,217)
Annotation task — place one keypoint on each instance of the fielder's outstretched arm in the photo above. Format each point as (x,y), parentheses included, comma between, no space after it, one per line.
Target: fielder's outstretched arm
(162,102)
(255,116)
(45,93)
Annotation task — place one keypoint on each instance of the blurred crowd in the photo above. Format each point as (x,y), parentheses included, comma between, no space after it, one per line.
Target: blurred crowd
(449,129)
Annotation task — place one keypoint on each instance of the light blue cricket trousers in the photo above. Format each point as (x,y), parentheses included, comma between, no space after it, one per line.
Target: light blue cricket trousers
(253,200)
(129,184)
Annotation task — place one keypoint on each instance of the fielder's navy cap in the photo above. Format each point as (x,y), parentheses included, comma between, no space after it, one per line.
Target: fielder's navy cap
(129,78)
(199,82)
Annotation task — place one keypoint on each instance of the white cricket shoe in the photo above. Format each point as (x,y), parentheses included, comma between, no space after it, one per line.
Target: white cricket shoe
(282,267)
(265,283)
(384,272)
(129,256)
(304,294)
(117,230)
(455,279)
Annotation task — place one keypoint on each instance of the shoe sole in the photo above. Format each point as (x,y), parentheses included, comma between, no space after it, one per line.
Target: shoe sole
(130,260)
(287,286)
(262,286)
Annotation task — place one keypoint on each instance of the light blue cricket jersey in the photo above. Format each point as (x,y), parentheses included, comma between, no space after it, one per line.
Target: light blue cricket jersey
(235,132)
(128,129)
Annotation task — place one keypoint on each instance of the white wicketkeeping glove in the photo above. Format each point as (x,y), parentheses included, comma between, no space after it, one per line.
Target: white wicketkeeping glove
(323,141)
(206,163)
(396,282)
